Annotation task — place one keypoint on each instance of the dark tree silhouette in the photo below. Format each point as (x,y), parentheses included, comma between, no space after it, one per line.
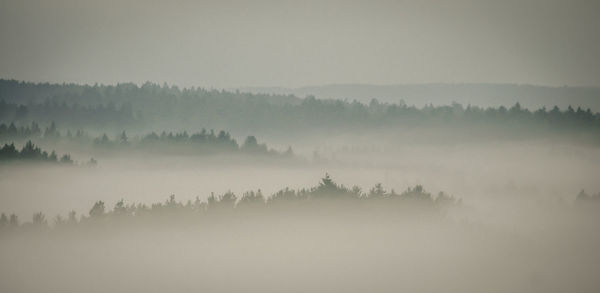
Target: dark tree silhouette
(30,152)
(97,210)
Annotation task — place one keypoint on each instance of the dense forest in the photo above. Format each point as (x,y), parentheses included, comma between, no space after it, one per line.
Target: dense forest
(187,146)
(150,106)
(327,194)
(482,94)
(31,153)
(202,142)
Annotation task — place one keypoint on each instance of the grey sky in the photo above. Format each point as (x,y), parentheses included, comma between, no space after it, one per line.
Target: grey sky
(293,43)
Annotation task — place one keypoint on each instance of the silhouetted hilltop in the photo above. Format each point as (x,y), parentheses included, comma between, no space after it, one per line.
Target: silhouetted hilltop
(151,106)
(476,94)
(326,196)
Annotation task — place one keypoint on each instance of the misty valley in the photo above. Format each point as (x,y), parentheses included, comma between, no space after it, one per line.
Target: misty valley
(314,146)
(150,188)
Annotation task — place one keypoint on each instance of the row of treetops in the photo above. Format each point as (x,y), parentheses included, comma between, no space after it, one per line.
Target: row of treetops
(209,138)
(129,104)
(327,194)
(32,153)
(311,106)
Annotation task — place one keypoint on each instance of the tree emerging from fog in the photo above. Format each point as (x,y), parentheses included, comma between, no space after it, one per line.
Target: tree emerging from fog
(30,152)
(202,142)
(327,194)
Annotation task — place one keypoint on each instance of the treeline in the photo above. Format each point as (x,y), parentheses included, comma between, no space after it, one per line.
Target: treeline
(327,198)
(32,153)
(221,141)
(327,194)
(200,142)
(170,107)
(98,116)
(33,130)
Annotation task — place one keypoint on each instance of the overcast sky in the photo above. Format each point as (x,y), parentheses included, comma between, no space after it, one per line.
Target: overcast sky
(224,43)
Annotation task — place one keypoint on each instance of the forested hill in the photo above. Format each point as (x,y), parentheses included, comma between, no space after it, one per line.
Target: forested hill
(476,94)
(22,92)
(151,106)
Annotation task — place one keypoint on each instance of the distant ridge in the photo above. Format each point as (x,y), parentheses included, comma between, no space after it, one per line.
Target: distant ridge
(480,94)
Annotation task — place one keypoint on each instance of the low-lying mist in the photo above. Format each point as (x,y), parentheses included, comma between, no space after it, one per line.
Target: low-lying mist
(156,188)
(322,239)
(484,174)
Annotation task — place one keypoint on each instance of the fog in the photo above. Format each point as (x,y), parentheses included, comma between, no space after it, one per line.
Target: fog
(338,247)
(379,197)
(299,146)
(287,43)
(476,173)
